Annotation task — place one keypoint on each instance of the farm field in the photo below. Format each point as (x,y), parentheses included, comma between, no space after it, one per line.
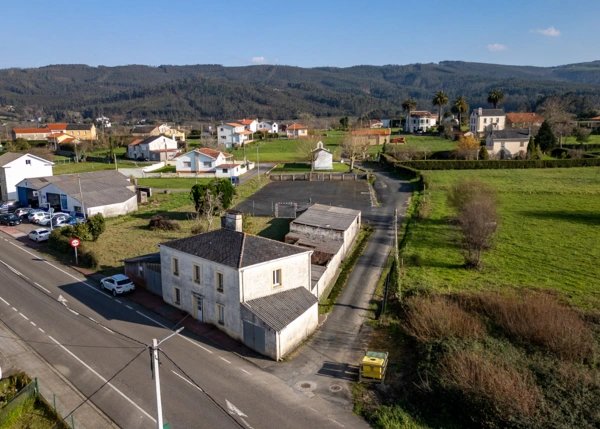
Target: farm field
(547,237)
(171,182)
(594,139)
(80,167)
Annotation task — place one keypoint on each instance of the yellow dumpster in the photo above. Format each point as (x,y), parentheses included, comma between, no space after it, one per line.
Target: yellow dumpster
(373,366)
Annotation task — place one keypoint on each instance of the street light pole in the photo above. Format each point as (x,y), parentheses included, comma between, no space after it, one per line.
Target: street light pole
(155,370)
(257,164)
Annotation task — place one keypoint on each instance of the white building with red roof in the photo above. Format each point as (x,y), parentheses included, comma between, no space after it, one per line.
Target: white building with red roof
(209,162)
(249,124)
(233,134)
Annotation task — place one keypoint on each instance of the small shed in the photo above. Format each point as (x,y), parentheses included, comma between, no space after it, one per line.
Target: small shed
(145,272)
(322,158)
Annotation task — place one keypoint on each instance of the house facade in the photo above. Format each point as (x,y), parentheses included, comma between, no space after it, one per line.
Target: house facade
(31,133)
(15,167)
(82,131)
(254,289)
(375,137)
(233,134)
(523,120)
(419,121)
(150,130)
(249,124)
(269,127)
(506,144)
(296,131)
(155,148)
(322,158)
(209,161)
(482,121)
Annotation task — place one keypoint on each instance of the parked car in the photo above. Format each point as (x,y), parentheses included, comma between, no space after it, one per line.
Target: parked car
(36,217)
(118,284)
(54,218)
(44,219)
(40,234)
(142,158)
(9,206)
(22,212)
(59,222)
(9,219)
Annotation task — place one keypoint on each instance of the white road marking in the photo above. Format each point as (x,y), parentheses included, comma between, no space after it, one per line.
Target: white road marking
(107,329)
(41,330)
(234,410)
(245,371)
(131,308)
(246,423)
(92,320)
(42,287)
(23,316)
(224,359)
(15,309)
(104,380)
(149,318)
(33,323)
(337,423)
(4,301)
(186,380)
(117,300)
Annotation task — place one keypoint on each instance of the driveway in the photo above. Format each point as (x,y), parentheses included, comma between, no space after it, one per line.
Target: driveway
(327,364)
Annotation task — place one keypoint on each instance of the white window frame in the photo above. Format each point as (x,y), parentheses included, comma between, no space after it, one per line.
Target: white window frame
(221,314)
(222,275)
(175,264)
(176,295)
(277,278)
(187,164)
(197,269)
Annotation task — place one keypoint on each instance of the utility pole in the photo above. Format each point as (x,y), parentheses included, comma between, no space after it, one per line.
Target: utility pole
(115,157)
(257,164)
(156,375)
(81,197)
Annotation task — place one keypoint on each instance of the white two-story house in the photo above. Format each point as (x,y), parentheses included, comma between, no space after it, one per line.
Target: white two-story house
(233,134)
(483,121)
(209,161)
(255,289)
(268,127)
(419,121)
(249,124)
(506,144)
(155,148)
(15,167)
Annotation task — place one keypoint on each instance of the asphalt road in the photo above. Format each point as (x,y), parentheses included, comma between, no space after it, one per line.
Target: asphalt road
(90,355)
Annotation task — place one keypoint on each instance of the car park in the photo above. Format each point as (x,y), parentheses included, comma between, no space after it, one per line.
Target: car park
(40,234)
(44,220)
(117,284)
(9,219)
(37,217)
(22,212)
(9,206)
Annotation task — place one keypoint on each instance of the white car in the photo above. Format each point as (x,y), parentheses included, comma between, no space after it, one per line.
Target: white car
(118,284)
(40,234)
(45,220)
(35,217)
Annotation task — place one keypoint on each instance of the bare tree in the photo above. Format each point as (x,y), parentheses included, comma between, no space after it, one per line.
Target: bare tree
(211,204)
(555,111)
(478,221)
(355,148)
(467,147)
(306,149)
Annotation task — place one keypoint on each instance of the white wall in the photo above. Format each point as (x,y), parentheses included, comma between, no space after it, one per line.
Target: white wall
(17,170)
(300,329)
(513,147)
(323,160)
(416,123)
(481,124)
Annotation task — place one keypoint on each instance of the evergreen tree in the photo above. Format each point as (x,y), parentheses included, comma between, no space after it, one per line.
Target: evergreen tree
(545,138)
(483,154)
(538,152)
(530,148)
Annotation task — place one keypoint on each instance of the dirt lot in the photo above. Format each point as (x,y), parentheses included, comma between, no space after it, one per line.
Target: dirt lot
(352,194)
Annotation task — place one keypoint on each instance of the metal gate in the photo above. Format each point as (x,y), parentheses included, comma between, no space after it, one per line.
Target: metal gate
(254,336)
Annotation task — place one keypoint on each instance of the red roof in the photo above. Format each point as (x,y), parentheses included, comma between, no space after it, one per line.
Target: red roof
(245,121)
(57,127)
(213,153)
(228,165)
(421,113)
(135,142)
(596,118)
(369,132)
(296,126)
(31,130)
(524,118)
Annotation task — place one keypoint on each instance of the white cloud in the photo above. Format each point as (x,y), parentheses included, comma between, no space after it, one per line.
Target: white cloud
(494,47)
(258,60)
(550,31)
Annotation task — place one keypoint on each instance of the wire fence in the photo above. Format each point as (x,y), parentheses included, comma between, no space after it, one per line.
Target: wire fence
(27,393)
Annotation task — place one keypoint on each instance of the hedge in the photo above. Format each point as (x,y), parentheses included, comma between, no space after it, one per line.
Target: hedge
(406,166)
(584,146)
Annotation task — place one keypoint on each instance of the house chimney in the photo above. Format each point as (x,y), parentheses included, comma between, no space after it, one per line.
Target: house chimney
(481,111)
(232,220)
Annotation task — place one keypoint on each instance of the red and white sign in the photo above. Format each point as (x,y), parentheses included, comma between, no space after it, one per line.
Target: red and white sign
(75,242)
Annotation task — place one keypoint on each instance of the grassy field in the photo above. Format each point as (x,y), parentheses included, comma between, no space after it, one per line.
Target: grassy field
(594,139)
(119,151)
(420,143)
(80,167)
(547,237)
(171,183)
(33,414)
(299,167)
(166,169)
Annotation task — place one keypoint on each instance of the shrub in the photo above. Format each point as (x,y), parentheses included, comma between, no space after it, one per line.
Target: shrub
(82,231)
(88,258)
(161,223)
(436,318)
(58,241)
(466,191)
(477,221)
(96,226)
(540,319)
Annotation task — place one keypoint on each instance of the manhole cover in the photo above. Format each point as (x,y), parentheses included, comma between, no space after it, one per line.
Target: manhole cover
(335,388)
(305,385)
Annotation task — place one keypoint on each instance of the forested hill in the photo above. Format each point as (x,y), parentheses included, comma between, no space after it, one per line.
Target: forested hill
(211,91)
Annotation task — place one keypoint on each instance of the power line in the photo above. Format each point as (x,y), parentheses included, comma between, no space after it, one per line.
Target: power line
(98,389)
(202,390)
(69,345)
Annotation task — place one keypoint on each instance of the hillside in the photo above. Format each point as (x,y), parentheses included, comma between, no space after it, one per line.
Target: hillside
(213,91)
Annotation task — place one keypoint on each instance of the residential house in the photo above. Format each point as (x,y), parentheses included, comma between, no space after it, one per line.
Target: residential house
(482,121)
(31,133)
(155,148)
(254,289)
(523,120)
(376,137)
(233,134)
(322,158)
(330,232)
(249,124)
(296,131)
(16,167)
(150,130)
(419,121)
(58,128)
(108,192)
(506,144)
(55,140)
(209,161)
(375,123)
(268,127)
(82,131)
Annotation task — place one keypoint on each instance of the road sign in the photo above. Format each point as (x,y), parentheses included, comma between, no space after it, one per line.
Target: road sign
(75,242)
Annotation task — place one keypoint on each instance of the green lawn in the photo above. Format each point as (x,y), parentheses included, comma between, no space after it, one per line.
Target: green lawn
(300,167)
(171,183)
(547,237)
(420,143)
(594,139)
(166,169)
(81,167)
(119,151)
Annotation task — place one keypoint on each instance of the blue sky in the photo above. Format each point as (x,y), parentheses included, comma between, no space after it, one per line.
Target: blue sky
(307,34)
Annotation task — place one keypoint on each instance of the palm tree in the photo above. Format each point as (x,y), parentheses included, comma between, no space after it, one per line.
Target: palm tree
(408,106)
(460,106)
(440,99)
(495,97)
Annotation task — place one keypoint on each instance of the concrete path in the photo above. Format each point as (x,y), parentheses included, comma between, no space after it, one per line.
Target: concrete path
(329,362)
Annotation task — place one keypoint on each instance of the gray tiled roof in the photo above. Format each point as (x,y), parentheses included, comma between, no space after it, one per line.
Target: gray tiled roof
(513,134)
(9,157)
(234,249)
(490,112)
(327,217)
(75,127)
(99,188)
(281,309)
(144,129)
